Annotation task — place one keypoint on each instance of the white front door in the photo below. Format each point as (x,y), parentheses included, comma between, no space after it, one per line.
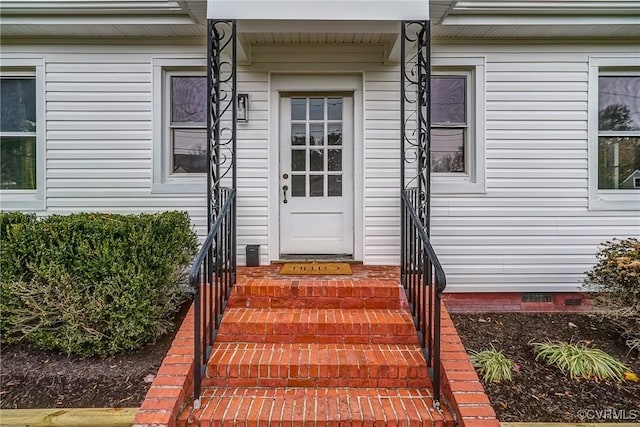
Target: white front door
(316,174)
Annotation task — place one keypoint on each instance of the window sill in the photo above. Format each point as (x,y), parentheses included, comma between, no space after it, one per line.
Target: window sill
(181,186)
(622,200)
(443,185)
(21,200)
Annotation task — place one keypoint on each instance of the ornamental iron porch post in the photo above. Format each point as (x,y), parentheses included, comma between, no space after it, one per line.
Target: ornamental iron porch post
(415,114)
(221,121)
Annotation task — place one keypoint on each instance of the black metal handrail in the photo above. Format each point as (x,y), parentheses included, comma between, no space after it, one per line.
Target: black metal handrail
(424,281)
(211,277)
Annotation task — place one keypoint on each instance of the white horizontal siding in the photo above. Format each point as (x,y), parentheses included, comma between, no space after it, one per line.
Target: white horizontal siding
(99,129)
(530,231)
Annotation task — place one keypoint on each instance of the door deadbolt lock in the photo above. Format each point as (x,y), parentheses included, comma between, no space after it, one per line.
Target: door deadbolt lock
(285,176)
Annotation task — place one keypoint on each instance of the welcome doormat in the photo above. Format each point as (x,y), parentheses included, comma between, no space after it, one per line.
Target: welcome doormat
(316,268)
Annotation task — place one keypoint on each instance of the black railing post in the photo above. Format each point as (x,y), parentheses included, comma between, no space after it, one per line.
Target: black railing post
(436,346)
(209,297)
(214,269)
(425,282)
(403,236)
(421,274)
(234,183)
(427,124)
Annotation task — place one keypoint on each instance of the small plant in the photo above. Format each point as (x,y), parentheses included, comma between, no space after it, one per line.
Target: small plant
(615,283)
(580,361)
(493,366)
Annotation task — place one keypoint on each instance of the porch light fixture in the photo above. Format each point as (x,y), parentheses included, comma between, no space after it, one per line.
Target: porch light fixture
(243,108)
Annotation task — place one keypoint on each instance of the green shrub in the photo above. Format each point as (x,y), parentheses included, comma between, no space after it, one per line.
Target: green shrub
(493,366)
(580,361)
(92,284)
(615,280)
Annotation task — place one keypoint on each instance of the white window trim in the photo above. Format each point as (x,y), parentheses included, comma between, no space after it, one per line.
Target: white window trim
(162,180)
(605,199)
(474,181)
(29,199)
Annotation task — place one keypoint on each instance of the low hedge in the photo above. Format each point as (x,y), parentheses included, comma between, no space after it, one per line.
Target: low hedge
(92,284)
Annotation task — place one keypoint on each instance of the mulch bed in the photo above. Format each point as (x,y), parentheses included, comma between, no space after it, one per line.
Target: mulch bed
(31,378)
(542,393)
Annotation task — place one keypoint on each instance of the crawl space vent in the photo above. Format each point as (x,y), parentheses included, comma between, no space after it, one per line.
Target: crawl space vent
(547,298)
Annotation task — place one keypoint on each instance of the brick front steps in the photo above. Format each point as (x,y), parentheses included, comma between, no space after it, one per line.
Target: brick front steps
(345,294)
(317,326)
(317,406)
(320,351)
(317,365)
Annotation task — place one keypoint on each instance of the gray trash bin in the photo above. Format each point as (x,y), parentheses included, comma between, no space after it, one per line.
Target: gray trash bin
(253,255)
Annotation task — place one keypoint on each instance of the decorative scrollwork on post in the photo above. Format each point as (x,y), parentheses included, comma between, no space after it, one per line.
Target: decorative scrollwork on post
(415,113)
(222,108)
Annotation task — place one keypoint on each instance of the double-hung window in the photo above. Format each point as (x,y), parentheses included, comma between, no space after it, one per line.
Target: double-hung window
(614,129)
(22,163)
(187,123)
(179,125)
(450,137)
(18,148)
(457,125)
(619,130)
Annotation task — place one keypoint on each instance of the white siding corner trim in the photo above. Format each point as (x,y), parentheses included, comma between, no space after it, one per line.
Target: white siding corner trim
(162,182)
(606,199)
(30,199)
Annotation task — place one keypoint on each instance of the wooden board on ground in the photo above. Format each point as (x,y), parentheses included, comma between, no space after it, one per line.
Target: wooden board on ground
(96,417)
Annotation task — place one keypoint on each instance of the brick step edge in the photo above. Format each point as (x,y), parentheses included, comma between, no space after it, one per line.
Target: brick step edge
(329,365)
(363,288)
(347,406)
(393,303)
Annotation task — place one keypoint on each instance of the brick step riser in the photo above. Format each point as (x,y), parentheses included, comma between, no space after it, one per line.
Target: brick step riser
(308,421)
(325,369)
(317,382)
(334,422)
(318,339)
(319,329)
(354,288)
(383,303)
(337,422)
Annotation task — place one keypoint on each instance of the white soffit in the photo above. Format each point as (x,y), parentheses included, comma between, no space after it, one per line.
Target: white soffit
(528,7)
(333,10)
(539,12)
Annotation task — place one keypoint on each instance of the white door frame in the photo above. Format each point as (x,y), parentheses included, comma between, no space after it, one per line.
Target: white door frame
(312,83)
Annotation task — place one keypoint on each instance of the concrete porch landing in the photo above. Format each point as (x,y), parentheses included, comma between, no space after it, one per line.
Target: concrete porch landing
(316,350)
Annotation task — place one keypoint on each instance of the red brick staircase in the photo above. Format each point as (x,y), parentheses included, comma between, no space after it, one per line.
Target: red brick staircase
(316,352)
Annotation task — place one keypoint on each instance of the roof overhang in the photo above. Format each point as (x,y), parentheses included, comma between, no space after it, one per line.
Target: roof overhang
(330,10)
(535,19)
(102,18)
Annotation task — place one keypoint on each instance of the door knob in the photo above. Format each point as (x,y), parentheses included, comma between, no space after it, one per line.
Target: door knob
(284,190)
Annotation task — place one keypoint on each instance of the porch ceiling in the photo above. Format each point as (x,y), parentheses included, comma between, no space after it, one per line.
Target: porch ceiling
(320,38)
